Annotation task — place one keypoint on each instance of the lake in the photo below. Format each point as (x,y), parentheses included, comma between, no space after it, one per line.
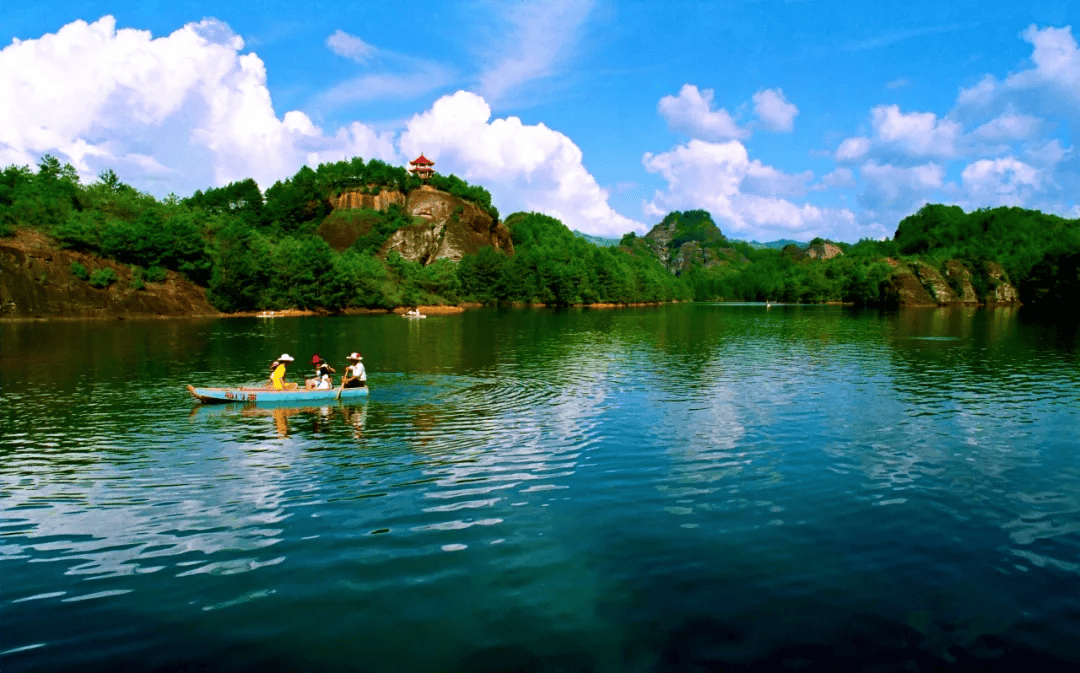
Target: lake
(680,488)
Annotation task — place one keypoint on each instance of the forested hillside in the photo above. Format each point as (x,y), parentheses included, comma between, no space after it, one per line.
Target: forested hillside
(256,251)
(939,249)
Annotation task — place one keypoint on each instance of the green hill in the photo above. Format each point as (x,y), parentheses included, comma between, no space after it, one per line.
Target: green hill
(251,250)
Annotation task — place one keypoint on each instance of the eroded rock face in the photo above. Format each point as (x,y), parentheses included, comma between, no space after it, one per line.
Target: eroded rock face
(381,201)
(36,280)
(959,274)
(1003,291)
(658,239)
(935,284)
(921,284)
(452,227)
(906,288)
(678,259)
(824,250)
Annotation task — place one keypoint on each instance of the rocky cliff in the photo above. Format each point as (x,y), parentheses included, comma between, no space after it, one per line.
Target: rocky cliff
(36,280)
(685,240)
(450,227)
(819,249)
(922,284)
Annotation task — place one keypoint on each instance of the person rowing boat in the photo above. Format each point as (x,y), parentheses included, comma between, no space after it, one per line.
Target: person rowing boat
(355,375)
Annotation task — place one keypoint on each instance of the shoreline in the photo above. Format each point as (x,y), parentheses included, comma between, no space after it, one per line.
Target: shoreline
(454,309)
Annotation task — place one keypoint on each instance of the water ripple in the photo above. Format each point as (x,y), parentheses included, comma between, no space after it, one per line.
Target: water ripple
(627,485)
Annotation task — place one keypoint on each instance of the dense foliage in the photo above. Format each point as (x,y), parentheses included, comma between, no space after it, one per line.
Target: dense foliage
(289,248)
(752,272)
(1027,243)
(1040,254)
(553,266)
(254,251)
(693,225)
(771,275)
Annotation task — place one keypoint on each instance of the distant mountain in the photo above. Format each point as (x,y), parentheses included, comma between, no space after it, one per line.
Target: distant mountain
(776,245)
(601,241)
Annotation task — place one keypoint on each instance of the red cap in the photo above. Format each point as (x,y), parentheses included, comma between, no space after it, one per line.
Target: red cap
(315,359)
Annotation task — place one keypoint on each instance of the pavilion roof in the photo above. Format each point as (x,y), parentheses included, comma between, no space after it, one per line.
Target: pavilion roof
(421,161)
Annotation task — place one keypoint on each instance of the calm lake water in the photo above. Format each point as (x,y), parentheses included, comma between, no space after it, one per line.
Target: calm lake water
(683,488)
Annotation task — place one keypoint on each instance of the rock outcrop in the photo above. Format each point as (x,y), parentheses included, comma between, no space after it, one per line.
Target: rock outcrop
(921,284)
(935,284)
(905,287)
(960,277)
(357,199)
(1002,291)
(692,253)
(451,227)
(823,250)
(684,240)
(36,279)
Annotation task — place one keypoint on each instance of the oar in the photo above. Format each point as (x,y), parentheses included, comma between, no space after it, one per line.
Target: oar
(340,388)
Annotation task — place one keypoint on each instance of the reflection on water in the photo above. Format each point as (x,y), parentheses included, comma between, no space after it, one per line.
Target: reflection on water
(547,490)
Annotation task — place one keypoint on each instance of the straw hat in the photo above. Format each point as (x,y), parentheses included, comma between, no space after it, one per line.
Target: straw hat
(355,356)
(285,357)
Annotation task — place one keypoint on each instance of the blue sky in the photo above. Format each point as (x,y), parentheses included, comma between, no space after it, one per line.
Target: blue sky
(783,119)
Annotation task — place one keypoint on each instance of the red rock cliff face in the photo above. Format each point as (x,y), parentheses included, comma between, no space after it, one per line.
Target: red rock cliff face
(36,281)
(451,226)
(920,284)
(380,201)
(824,250)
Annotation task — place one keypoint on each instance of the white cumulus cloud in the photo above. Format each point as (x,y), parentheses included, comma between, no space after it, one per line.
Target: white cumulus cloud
(1056,73)
(1005,181)
(853,149)
(526,167)
(915,134)
(840,177)
(743,195)
(774,111)
(899,188)
(1007,139)
(1008,127)
(691,113)
(174,113)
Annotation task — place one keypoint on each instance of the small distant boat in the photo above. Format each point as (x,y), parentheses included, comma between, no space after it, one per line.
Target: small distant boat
(415,316)
(249,395)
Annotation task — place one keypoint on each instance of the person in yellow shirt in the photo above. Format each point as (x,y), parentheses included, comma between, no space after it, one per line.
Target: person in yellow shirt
(277,379)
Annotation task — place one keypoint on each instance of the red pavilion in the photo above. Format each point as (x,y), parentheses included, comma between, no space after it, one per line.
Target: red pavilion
(421,167)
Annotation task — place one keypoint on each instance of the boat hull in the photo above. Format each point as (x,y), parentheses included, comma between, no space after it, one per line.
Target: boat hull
(268,395)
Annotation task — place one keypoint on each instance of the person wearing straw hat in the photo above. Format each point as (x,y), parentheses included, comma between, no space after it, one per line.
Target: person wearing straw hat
(277,379)
(355,375)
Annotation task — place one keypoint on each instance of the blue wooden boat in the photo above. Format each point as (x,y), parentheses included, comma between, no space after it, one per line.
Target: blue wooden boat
(260,395)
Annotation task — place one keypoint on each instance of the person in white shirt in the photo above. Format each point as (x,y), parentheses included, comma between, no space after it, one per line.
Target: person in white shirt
(322,371)
(355,374)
